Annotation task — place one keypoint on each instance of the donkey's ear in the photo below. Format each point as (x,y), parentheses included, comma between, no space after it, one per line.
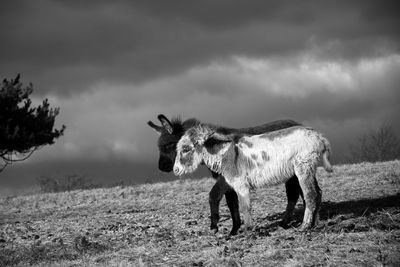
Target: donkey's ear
(199,134)
(216,142)
(155,127)
(166,123)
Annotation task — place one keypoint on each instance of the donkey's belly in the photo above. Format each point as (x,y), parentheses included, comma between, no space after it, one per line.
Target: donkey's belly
(270,174)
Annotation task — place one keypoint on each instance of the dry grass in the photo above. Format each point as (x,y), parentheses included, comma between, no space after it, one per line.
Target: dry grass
(167,224)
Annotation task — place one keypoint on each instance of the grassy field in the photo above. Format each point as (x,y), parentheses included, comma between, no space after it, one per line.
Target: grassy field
(166,224)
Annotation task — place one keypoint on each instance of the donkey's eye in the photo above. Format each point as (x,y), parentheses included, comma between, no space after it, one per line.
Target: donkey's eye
(186,149)
(171,146)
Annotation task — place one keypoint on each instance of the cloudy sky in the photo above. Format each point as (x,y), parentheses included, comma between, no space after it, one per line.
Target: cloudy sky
(113,65)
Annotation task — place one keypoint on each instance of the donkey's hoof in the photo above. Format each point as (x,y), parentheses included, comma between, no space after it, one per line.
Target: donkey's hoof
(213,230)
(284,224)
(305,227)
(233,232)
(246,229)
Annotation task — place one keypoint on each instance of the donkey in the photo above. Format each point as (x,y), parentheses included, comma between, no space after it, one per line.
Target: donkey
(252,161)
(170,133)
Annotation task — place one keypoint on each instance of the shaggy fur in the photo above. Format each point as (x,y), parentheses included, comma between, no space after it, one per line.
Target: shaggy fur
(259,160)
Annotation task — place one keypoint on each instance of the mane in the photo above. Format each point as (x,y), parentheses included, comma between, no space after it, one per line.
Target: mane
(199,130)
(179,127)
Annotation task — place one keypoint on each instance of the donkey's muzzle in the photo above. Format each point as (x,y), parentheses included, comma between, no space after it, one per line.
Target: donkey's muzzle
(165,164)
(178,171)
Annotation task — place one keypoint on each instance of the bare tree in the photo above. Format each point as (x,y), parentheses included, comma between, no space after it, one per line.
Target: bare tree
(380,145)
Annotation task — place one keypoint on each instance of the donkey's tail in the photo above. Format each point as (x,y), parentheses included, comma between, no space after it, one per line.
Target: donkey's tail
(326,154)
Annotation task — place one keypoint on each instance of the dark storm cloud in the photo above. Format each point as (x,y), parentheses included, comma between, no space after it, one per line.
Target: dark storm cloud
(67,46)
(113,65)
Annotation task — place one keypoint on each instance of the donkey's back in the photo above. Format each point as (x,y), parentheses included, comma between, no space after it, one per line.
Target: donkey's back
(276,155)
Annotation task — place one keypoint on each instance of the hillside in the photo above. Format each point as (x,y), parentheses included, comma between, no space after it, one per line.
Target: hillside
(167,224)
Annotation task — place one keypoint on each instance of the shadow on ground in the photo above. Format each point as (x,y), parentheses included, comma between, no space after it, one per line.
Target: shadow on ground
(361,207)
(350,216)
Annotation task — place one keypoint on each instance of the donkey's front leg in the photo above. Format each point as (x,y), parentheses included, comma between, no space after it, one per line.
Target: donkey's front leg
(220,188)
(243,193)
(215,196)
(233,204)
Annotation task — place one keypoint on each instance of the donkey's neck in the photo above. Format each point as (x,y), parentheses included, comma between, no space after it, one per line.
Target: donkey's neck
(214,162)
(224,164)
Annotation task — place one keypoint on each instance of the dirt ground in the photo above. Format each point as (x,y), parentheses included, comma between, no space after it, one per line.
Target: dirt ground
(166,224)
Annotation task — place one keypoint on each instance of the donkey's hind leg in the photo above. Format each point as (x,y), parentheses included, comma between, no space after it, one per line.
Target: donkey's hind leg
(305,171)
(293,191)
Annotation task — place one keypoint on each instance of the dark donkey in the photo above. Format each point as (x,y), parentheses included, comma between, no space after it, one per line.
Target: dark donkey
(172,131)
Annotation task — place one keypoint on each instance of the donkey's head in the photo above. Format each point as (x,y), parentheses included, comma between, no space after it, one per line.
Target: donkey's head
(170,133)
(200,143)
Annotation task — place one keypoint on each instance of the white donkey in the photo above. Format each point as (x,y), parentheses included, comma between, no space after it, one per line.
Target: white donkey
(251,161)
